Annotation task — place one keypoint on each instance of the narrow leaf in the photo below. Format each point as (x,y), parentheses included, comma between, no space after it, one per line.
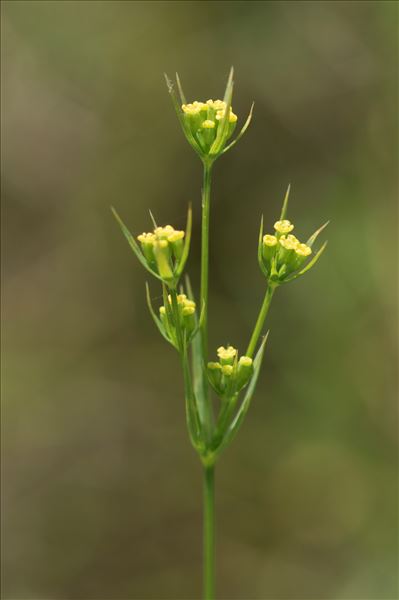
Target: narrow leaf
(309,265)
(285,204)
(260,250)
(199,381)
(243,130)
(153,220)
(187,239)
(224,123)
(179,87)
(133,244)
(186,130)
(156,319)
(192,416)
(198,323)
(313,237)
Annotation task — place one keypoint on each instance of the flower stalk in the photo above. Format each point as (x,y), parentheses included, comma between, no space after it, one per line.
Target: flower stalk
(217,393)
(206,206)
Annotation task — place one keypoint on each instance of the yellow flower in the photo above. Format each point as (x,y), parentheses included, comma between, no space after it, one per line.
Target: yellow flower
(303,250)
(226,355)
(208,124)
(269,240)
(284,226)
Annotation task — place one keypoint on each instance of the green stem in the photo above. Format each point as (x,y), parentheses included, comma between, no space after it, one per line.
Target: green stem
(261,319)
(209,532)
(206,199)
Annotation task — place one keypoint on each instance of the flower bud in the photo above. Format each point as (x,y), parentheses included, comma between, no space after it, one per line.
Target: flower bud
(175,239)
(286,251)
(302,251)
(269,248)
(244,372)
(178,315)
(283,226)
(214,371)
(147,245)
(162,258)
(226,355)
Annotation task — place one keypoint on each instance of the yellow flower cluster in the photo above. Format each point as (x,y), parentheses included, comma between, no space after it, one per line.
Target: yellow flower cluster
(229,375)
(288,242)
(214,109)
(178,322)
(186,306)
(167,233)
(283,252)
(163,249)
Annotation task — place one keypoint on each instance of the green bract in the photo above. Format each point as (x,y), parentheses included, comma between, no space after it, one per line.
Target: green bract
(208,126)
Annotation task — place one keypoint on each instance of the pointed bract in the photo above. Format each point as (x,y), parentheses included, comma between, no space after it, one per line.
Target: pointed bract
(285,203)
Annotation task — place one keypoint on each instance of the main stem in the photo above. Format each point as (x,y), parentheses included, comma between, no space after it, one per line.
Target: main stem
(209,532)
(261,319)
(209,470)
(206,200)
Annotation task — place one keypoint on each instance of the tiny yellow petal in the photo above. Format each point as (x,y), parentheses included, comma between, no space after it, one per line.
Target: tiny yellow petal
(189,303)
(269,240)
(288,244)
(227,370)
(214,366)
(175,236)
(208,124)
(284,226)
(226,353)
(303,250)
(245,361)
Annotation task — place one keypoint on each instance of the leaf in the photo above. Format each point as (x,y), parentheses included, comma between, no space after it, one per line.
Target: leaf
(156,319)
(242,411)
(200,379)
(309,265)
(243,130)
(186,130)
(192,416)
(189,288)
(260,250)
(224,123)
(313,237)
(285,203)
(133,244)
(152,219)
(187,239)
(198,324)
(179,87)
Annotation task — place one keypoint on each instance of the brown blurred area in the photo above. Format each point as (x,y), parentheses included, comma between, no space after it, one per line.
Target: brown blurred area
(101,489)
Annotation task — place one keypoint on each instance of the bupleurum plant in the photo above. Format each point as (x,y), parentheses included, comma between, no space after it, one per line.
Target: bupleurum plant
(209,127)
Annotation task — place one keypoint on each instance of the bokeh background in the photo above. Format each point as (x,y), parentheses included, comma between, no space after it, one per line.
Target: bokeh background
(101,489)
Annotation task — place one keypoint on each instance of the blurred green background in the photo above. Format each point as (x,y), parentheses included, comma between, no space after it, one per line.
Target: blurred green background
(101,489)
